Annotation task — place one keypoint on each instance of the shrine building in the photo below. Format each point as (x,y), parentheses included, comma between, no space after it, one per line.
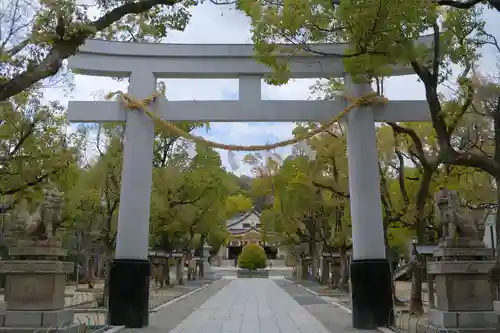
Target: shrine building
(246,228)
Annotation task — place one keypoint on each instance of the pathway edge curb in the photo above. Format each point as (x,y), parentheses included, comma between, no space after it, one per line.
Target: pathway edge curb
(341,306)
(301,286)
(174,300)
(114,329)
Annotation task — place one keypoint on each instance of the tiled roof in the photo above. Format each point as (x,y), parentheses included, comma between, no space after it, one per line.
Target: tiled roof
(244,231)
(241,217)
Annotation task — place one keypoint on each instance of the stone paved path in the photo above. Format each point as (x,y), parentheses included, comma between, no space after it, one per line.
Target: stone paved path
(231,305)
(251,306)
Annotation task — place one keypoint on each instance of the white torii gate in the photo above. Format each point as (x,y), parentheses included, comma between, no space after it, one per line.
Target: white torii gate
(144,63)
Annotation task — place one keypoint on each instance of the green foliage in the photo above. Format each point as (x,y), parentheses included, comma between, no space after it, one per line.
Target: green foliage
(300,211)
(190,204)
(399,238)
(40,37)
(189,201)
(457,178)
(252,257)
(35,146)
(379,34)
(238,204)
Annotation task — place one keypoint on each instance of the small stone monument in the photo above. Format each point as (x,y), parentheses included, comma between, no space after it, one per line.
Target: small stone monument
(464,293)
(207,268)
(36,277)
(300,252)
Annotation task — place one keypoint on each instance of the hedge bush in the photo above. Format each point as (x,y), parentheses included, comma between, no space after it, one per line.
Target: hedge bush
(252,257)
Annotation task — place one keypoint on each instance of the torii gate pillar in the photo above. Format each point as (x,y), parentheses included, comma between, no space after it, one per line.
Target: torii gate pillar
(371,280)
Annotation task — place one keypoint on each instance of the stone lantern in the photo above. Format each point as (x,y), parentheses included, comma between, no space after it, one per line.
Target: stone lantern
(301,251)
(207,268)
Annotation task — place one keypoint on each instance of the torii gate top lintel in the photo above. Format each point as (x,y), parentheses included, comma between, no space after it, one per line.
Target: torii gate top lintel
(104,58)
(119,59)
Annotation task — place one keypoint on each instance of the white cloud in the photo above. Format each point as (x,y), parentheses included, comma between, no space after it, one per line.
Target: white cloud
(217,24)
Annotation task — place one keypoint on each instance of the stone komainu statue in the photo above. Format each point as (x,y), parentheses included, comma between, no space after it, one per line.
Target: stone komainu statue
(35,227)
(454,222)
(39,226)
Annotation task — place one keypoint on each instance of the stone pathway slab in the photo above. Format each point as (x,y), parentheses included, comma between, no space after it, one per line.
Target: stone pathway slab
(172,315)
(326,309)
(251,306)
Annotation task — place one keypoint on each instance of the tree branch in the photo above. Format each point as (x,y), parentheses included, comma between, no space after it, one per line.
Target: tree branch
(33,182)
(330,188)
(67,47)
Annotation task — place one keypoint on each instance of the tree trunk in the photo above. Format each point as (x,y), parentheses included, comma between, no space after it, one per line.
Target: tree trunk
(495,271)
(344,270)
(167,272)
(314,261)
(416,304)
(387,255)
(180,271)
(107,268)
(90,271)
(494,274)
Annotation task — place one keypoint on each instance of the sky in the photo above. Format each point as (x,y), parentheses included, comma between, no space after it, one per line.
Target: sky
(216,24)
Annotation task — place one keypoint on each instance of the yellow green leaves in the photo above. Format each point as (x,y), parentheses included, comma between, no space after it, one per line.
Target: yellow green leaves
(294,14)
(380,33)
(34,143)
(400,237)
(194,200)
(238,204)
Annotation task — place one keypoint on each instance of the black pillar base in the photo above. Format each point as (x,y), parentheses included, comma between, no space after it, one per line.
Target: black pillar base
(129,293)
(371,284)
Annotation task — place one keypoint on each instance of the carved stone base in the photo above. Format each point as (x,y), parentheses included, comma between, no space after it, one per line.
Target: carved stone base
(464,254)
(460,267)
(35,292)
(59,321)
(463,319)
(496,307)
(75,328)
(35,284)
(462,285)
(49,243)
(34,251)
(39,319)
(429,328)
(35,267)
(460,242)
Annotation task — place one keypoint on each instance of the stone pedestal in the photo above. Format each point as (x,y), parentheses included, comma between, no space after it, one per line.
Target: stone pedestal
(496,307)
(35,285)
(465,296)
(34,290)
(304,269)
